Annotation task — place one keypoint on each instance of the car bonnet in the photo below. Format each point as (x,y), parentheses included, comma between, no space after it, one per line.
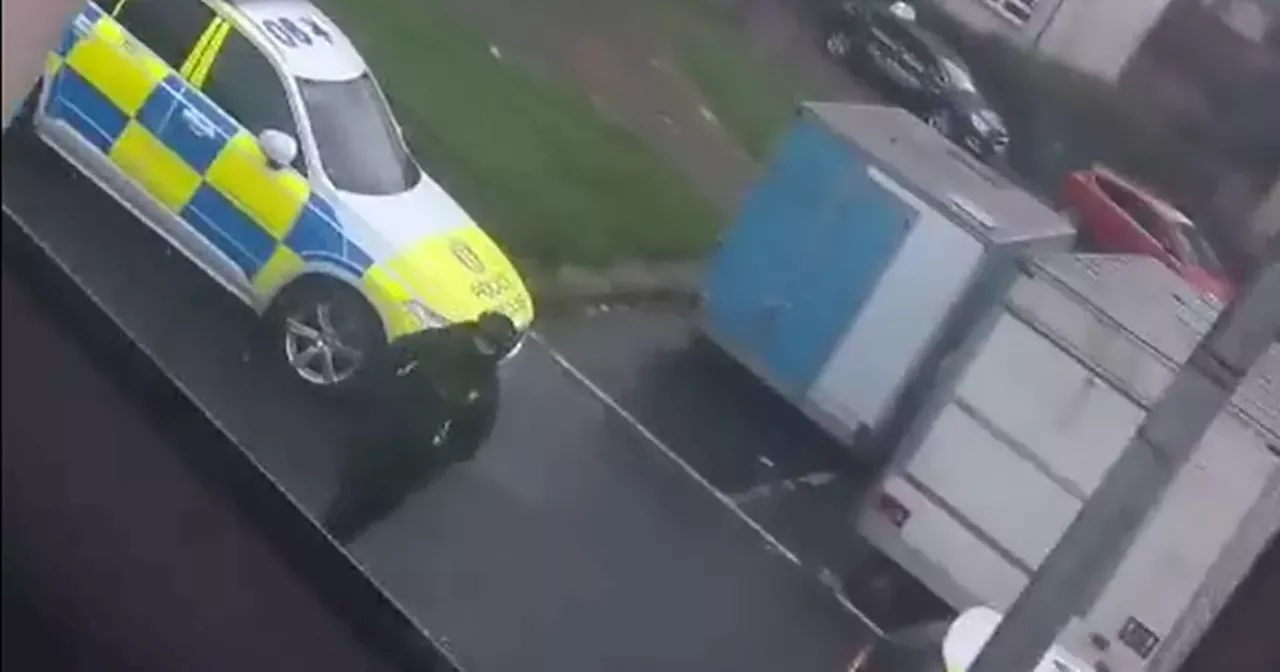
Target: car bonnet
(424,243)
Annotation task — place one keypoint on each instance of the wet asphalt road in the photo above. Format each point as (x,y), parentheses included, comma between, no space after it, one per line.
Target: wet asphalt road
(783,472)
(571,544)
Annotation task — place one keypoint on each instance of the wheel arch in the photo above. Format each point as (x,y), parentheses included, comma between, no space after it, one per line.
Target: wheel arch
(320,275)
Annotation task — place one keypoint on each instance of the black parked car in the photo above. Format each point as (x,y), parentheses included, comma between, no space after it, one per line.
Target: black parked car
(880,41)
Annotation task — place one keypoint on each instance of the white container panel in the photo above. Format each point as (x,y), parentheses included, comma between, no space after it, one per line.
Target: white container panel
(945,464)
(933,533)
(1096,339)
(1197,518)
(1044,399)
(901,319)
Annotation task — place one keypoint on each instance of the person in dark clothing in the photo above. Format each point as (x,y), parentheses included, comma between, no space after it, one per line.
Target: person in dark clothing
(434,405)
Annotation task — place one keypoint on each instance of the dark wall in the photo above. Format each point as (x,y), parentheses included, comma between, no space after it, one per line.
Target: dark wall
(138,537)
(1237,81)
(107,535)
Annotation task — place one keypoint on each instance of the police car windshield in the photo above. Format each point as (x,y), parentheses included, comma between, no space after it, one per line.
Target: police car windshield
(359,145)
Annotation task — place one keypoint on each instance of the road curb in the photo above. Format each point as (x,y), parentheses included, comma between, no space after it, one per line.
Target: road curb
(567,288)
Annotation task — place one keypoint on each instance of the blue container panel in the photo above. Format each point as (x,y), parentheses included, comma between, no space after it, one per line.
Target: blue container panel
(859,237)
(813,237)
(762,248)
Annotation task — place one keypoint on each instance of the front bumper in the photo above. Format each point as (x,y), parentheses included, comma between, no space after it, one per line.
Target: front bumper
(984,147)
(515,349)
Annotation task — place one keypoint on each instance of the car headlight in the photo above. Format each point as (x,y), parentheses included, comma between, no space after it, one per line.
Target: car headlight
(427,318)
(980,123)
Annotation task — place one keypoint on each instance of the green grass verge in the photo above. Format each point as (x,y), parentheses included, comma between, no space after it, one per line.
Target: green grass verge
(749,96)
(533,162)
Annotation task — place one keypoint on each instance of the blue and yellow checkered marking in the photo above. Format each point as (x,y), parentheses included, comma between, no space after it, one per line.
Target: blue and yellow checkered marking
(192,135)
(87,110)
(219,219)
(160,105)
(317,236)
(192,156)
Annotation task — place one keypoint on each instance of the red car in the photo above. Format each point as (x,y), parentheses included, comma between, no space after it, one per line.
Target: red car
(1114,215)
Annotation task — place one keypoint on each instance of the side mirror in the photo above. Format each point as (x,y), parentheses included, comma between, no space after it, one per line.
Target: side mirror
(279,147)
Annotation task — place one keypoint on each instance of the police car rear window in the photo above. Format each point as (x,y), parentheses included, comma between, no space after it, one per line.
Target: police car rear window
(360,147)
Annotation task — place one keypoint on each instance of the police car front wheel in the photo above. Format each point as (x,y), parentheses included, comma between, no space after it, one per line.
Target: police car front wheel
(325,334)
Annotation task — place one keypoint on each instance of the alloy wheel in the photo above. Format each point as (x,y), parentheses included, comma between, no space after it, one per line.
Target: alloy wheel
(939,122)
(838,44)
(319,344)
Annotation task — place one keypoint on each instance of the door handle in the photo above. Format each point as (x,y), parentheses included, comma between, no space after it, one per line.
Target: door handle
(198,123)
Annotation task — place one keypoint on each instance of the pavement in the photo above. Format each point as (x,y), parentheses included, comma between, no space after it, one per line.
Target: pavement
(581,539)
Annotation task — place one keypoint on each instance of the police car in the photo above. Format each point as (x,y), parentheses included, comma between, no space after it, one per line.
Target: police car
(253,137)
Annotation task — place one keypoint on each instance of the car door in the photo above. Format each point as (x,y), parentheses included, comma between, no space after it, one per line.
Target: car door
(904,59)
(1114,230)
(232,217)
(247,207)
(108,97)
(156,135)
(1145,225)
(884,45)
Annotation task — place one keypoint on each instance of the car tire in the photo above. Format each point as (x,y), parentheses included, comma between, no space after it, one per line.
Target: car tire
(325,336)
(940,121)
(999,161)
(838,44)
(890,597)
(1084,243)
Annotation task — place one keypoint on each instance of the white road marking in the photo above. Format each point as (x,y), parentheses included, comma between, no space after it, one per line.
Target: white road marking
(600,394)
(666,450)
(764,490)
(724,499)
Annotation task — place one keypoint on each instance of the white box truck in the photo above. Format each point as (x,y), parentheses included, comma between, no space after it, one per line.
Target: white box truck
(1027,416)
(923,309)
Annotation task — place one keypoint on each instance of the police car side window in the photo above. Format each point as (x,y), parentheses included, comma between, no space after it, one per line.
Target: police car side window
(245,85)
(170,28)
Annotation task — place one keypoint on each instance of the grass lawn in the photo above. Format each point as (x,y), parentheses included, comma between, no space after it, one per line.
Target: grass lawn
(749,96)
(531,160)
